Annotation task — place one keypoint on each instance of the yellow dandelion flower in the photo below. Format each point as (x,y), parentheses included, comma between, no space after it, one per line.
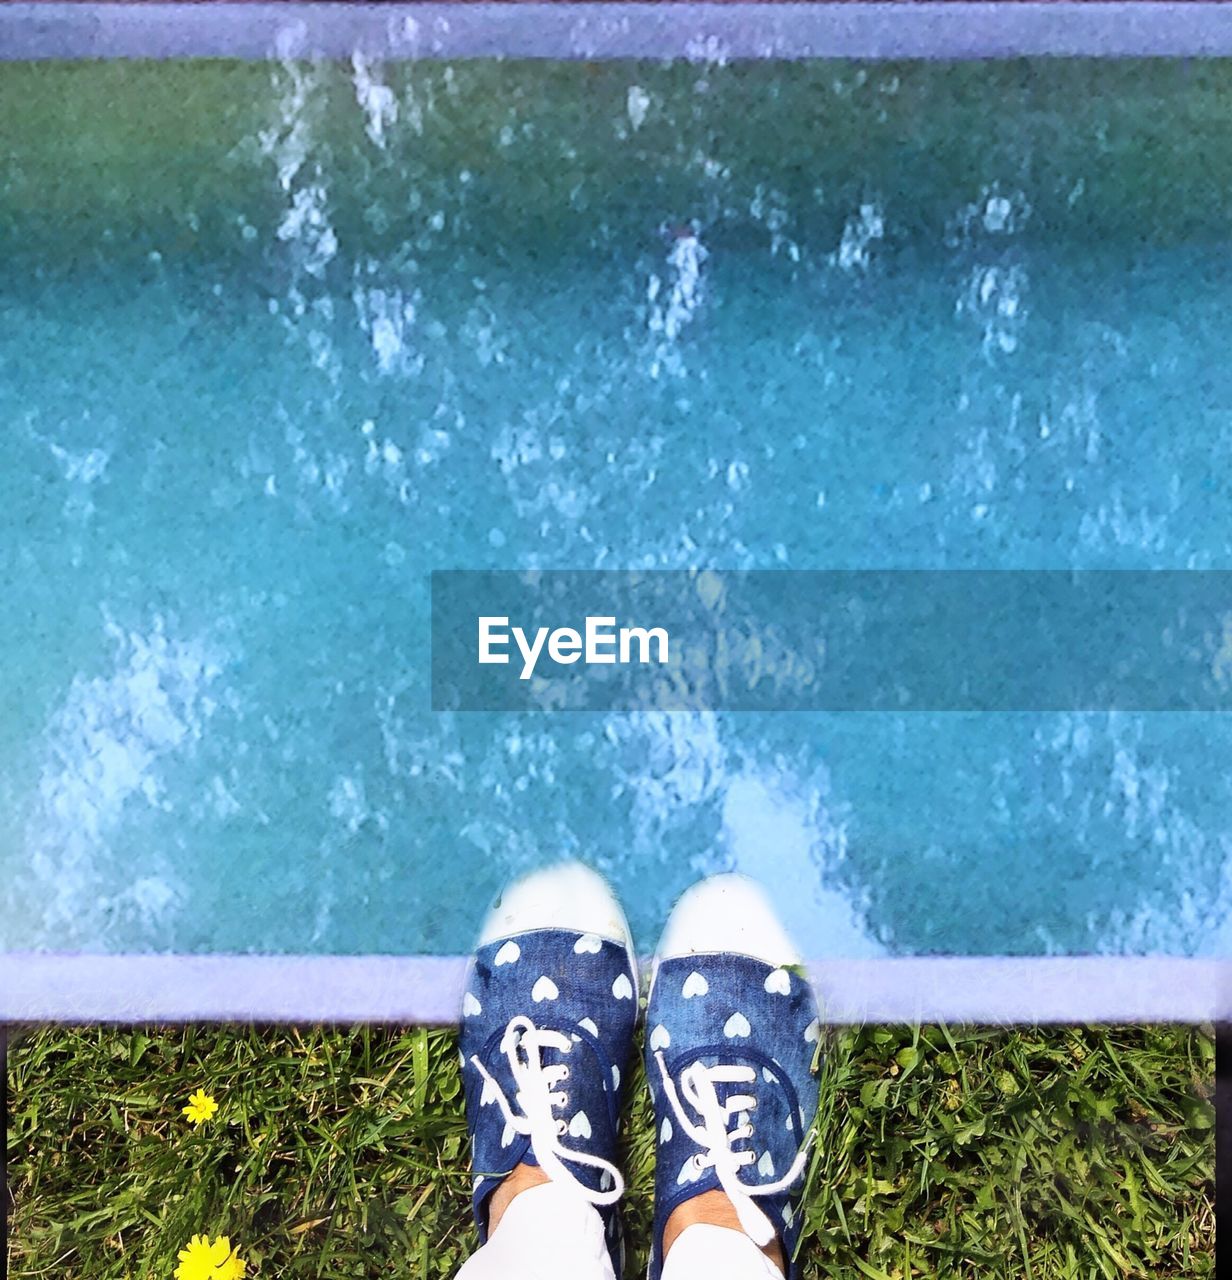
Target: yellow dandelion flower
(206,1259)
(200,1107)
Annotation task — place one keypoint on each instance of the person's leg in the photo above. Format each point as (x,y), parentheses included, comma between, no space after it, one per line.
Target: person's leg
(731,1034)
(547,1025)
(704,1251)
(546,1233)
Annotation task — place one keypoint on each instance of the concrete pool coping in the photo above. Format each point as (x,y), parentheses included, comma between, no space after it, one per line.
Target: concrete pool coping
(949,29)
(50,987)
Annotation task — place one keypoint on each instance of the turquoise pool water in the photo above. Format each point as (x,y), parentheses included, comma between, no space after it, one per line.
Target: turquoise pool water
(276,341)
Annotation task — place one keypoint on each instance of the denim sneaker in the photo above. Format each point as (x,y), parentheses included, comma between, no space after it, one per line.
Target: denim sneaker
(731,1034)
(547,1026)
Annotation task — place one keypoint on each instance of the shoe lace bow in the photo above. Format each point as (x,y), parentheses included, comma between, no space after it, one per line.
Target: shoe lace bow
(538,1099)
(698,1092)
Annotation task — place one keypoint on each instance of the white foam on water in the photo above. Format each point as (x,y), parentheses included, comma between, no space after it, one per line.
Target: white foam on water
(289,142)
(81,468)
(1198,861)
(106,750)
(321,473)
(994,212)
(388,317)
(306,222)
(860,233)
(686,258)
(783,838)
(82,472)
(975,468)
(995,297)
(1188,908)
(349,804)
(672,310)
(771,209)
(376,99)
(1111,525)
(995,290)
(682,760)
(637,103)
(775,828)
(149,898)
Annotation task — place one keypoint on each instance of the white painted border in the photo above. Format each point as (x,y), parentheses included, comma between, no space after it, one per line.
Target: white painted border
(956,29)
(37,987)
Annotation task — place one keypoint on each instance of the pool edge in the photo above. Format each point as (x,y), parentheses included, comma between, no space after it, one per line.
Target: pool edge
(873,29)
(57,987)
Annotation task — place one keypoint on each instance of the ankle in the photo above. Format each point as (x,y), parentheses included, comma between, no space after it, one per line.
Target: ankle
(714,1209)
(520,1178)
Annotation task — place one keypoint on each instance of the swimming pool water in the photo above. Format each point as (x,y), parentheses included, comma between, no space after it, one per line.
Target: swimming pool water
(278,340)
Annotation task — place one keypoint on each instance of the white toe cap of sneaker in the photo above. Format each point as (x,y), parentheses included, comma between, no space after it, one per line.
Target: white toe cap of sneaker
(727,913)
(567,896)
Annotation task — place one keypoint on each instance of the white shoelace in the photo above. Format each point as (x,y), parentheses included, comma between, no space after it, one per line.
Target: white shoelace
(697,1086)
(538,1098)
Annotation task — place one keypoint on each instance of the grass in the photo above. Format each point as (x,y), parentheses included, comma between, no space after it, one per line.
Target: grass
(1051,1154)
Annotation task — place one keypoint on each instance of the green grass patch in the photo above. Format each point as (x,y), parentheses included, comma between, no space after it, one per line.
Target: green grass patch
(1024,1154)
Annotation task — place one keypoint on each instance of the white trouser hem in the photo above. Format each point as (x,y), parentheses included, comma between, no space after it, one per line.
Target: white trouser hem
(550,1233)
(547,1233)
(706,1252)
